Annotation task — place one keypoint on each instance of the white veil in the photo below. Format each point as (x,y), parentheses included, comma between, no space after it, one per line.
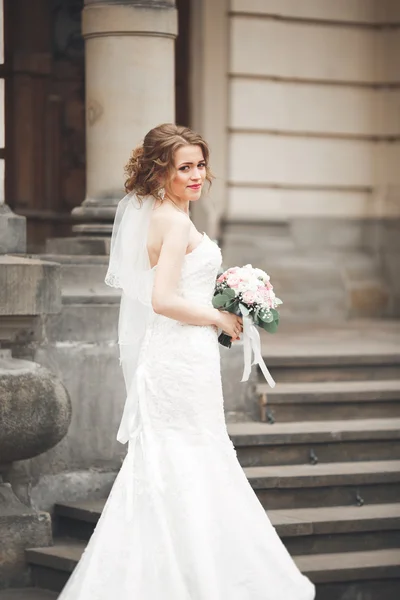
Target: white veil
(129,269)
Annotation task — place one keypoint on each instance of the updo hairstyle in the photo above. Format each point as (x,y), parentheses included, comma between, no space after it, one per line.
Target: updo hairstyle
(152,163)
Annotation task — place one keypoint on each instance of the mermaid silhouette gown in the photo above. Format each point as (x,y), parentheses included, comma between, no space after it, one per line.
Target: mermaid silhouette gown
(182,522)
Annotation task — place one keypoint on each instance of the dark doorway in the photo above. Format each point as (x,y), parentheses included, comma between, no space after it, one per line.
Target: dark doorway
(182,64)
(45,114)
(45,110)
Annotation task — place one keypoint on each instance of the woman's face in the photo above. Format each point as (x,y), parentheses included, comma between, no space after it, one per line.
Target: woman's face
(188,175)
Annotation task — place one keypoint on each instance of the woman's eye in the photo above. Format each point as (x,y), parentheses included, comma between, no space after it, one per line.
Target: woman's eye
(184,168)
(202,165)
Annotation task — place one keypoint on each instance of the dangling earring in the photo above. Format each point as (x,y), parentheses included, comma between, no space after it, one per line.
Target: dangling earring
(161,193)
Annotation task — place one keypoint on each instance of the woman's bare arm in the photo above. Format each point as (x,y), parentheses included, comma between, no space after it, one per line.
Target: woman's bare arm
(166,299)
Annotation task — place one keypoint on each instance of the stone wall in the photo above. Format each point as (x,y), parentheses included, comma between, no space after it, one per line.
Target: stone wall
(313,139)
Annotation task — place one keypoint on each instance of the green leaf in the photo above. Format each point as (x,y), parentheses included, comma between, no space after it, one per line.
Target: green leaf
(275,314)
(270,327)
(230,293)
(220,300)
(232,307)
(266,317)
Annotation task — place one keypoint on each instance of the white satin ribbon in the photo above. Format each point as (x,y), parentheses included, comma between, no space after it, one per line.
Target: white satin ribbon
(251,342)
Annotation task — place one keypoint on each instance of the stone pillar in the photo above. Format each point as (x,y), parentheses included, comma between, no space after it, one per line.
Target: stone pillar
(129,89)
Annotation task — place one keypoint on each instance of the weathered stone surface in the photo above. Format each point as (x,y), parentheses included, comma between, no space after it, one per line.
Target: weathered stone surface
(84,322)
(12,231)
(324,268)
(79,245)
(83,352)
(35,410)
(20,528)
(71,486)
(139,31)
(28,286)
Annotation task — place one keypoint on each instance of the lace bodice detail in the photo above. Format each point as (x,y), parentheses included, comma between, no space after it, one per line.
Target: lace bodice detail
(200,270)
(169,342)
(197,283)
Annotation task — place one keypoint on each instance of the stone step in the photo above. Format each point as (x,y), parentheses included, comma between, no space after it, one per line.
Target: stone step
(361,569)
(332,355)
(327,367)
(351,566)
(27,594)
(51,567)
(93,294)
(290,443)
(85,276)
(325,303)
(303,530)
(330,400)
(326,484)
(79,245)
(338,528)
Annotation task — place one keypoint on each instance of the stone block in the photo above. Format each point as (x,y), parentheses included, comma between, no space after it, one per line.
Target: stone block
(81,272)
(314,234)
(86,322)
(12,231)
(83,276)
(79,245)
(28,286)
(94,380)
(35,409)
(20,527)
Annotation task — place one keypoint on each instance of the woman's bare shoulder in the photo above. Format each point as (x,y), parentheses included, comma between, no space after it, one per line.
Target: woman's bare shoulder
(167,220)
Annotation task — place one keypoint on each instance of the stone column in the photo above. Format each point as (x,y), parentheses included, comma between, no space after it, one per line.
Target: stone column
(130,88)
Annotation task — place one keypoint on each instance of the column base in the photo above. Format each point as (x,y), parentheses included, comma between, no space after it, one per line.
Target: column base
(96,215)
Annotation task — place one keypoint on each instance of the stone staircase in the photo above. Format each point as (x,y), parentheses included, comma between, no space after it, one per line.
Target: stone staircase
(324,460)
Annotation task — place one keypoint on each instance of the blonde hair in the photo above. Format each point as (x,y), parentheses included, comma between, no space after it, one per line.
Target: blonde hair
(152,162)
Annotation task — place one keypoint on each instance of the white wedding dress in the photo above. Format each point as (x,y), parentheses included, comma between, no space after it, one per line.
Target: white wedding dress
(182,522)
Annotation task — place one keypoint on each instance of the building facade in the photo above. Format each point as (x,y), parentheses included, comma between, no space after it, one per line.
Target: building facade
(299,104)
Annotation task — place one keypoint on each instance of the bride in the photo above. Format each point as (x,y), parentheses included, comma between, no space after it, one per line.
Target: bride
(181,522)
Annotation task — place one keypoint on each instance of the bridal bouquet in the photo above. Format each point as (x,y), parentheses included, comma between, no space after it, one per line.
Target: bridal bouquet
(247,291)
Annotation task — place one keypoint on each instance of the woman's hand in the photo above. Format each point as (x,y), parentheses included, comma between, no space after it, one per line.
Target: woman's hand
(230,324)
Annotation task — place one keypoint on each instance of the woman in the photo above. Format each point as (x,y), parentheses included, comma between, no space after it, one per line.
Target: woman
(181,522)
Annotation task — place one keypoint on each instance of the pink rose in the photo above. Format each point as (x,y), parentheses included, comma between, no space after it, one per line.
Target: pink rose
(249,297)
(222,277)
(266,292)
(267,296)
(233,281)
(232,270)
